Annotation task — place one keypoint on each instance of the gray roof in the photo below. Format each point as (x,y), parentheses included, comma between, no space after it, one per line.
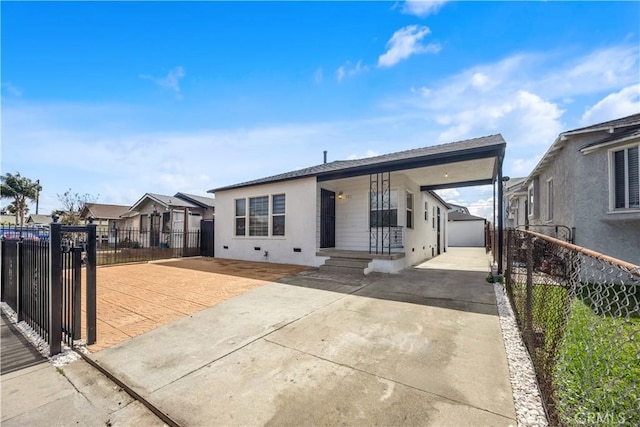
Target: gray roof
(205,202)
(433,151)
(166,201)
(613,127)
(460,216)
(103,211)
(621,122)
(40,219)
(618,134)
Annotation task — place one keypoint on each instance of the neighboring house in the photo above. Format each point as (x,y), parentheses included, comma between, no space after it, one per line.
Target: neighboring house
(372,214)
(39,220)
(466,230)
(515,205)
(588,180)
(458,208)
(105,216)
(160,219)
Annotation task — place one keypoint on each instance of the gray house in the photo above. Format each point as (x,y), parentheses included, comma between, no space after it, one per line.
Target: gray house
(588,180)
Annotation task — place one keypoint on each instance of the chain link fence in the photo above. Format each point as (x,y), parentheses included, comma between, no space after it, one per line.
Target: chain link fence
(579,314)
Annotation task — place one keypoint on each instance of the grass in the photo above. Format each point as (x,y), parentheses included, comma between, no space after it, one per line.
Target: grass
(591,365)
(597,375)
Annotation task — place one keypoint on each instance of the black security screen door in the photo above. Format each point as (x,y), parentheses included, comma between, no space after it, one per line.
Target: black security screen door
(327,219)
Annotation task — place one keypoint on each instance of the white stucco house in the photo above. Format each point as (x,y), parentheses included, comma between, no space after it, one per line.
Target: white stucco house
(372,214)
(587,185)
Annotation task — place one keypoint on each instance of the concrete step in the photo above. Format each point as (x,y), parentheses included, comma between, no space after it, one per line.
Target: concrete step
(359,271)
(347,262)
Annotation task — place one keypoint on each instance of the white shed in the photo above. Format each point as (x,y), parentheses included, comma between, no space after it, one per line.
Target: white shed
(466,230)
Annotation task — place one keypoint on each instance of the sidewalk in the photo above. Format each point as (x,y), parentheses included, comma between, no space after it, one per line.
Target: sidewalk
(35,393)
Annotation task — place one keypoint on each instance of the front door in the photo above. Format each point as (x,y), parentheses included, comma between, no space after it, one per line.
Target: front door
(327,219)
(438,229)
(155,231)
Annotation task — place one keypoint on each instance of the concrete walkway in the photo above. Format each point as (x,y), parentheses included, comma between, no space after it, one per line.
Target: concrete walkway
(35,393)
(421,347)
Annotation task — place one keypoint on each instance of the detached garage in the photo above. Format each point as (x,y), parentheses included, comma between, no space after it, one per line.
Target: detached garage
(466,230)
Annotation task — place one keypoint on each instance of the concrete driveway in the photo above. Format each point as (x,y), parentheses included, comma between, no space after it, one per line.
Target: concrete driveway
(422,347)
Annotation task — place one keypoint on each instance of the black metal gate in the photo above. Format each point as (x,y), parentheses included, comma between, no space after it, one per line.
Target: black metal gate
(327,218)
(207,238)
(41,280)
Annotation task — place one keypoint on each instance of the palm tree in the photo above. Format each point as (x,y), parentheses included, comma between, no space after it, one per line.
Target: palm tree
(20,189)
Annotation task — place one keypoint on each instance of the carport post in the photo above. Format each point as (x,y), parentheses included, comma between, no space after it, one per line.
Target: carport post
(500,217)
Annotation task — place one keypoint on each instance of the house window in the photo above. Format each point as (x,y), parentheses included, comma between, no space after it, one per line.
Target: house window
(259,216)
(530,197)
(241,220)
(626,183)
(166,222)
(433,218)
(426,211)
(144,223)
(277,218)
(409,210)
(383,210)
(550,199)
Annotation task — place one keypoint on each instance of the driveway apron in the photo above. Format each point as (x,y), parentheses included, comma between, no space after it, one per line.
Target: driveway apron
(420,347)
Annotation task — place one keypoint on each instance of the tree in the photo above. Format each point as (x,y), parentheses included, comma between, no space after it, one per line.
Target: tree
(72,205)
(21,189)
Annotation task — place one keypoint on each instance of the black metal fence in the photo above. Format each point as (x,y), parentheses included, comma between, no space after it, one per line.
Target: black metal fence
(41,280)
(579,313)
(132,245)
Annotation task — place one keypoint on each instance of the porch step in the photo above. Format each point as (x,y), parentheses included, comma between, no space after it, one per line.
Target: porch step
(347,262)
(345,265)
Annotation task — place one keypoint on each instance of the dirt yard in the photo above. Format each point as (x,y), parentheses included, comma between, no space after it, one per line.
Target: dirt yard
(134,299)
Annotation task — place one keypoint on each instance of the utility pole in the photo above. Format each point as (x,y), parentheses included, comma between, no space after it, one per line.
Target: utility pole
(37,194)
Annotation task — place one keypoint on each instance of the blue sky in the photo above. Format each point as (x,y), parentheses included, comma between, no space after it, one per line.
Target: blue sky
(119,98)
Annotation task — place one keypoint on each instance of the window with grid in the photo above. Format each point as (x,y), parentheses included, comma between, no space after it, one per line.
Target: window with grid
(259,216)
(277,216)
(241,220)
(383,209)
(409,210)
(626,182)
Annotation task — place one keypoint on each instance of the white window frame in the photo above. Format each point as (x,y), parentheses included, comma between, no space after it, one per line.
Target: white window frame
(282,214)
(247,217)
(531,200)
(409,209)
(612,185)
(550,199)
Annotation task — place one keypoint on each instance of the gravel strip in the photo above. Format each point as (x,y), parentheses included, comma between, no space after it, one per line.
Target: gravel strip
(526,394)
(66,356)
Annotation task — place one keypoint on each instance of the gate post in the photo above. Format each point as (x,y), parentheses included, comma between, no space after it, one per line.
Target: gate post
(19,280)
(76,304)
(91,282)
(55,288)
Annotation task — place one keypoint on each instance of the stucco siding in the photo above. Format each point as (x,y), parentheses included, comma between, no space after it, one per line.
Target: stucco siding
(300,221)
(581,200)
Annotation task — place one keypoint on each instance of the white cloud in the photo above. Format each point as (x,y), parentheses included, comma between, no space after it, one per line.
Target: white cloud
(615,105)
(523,167)
(406,42)
(12,90)
(482,208)
(448,194)
(421,8)
(171,81)
(368,153)
(348,70)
